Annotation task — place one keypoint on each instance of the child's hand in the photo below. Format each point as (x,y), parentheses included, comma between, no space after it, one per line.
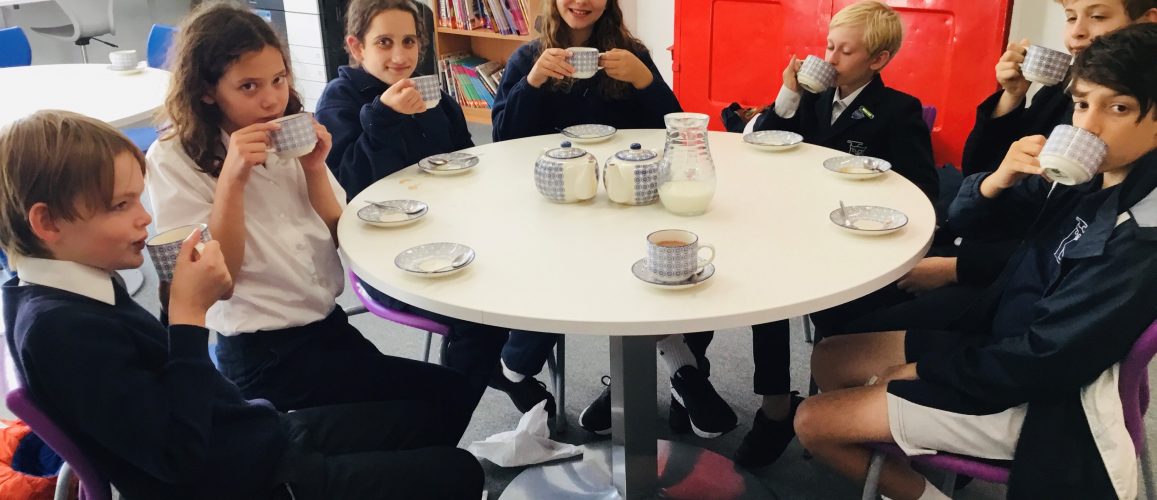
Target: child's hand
(404,98)
(314,161)
(200,279)
(551,64)
(247,147)
(1008,69)
(1020,162)
(790,72)
(625,66)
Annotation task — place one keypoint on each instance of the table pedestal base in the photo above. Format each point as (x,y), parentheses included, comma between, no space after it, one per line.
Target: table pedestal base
(685,472)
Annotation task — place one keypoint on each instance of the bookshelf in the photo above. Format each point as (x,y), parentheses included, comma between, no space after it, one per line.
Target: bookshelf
(482,42)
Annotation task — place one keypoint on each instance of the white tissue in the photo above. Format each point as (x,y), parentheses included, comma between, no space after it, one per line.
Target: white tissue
(529,443)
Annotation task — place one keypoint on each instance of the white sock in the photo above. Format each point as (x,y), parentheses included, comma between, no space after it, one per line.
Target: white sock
(511,375)
(931,492)
(675,353)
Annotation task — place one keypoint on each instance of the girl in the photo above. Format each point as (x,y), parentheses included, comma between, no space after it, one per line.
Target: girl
(378,119)
(537,94)
(283,338)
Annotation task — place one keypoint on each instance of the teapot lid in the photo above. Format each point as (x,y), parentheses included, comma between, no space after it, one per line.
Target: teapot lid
(636,153)
(566,152)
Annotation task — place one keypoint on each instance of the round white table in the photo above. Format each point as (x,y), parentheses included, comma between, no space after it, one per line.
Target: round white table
(566,268)
(89,89)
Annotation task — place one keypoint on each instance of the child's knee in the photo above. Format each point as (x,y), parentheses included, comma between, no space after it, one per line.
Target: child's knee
(809,421)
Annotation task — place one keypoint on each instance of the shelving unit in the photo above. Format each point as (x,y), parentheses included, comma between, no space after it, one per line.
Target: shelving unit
(484,43)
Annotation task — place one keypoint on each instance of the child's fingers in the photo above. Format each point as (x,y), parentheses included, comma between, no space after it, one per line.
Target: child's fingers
(188,246)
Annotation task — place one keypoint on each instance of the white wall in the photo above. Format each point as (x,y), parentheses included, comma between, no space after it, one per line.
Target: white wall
(653,21)
(133,19)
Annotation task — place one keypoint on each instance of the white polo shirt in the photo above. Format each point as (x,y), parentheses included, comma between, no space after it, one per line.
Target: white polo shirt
(291,275)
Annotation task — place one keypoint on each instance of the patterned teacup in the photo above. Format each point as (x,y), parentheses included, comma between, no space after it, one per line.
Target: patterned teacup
(1045,66)
(296,136)
(816,75)
(585,61)
(673,254)
(1072,155)
(164,248)
(430,87)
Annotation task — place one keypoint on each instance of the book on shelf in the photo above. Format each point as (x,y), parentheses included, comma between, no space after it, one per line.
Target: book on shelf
(506,17)
(469,79)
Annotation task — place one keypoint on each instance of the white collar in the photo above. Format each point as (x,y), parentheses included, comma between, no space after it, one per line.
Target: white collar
(847,101)
(69,276)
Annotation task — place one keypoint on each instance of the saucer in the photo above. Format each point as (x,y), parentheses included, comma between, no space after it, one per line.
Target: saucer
(869,220)
(384,217)
(425,260)
(458,163)
(857,167)
(639,269)
(589,133)
(130,71)
(773,140)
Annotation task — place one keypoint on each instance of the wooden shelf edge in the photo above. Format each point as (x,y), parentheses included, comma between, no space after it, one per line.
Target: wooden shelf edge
(484,34)
(477,115)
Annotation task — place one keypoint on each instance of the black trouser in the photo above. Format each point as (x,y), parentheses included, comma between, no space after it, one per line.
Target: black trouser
(471,349)
(526,352)
(379,450)
(329,362)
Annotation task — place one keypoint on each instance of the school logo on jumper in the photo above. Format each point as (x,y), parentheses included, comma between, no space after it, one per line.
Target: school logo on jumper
(1072,237)
(857,148)
(860,113)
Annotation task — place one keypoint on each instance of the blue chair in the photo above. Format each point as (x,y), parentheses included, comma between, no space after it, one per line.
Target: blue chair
(14,48)
(160,39)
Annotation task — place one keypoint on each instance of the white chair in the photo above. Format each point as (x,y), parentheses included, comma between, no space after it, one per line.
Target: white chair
(88,19)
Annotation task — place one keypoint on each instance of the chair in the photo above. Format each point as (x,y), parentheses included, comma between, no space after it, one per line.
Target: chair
(1134,389)
(93,486)
(88,19)
(160,39)
(14,48)
(556,362)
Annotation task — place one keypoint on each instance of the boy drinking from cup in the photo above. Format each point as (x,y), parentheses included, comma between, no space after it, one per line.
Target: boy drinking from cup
(1037,357)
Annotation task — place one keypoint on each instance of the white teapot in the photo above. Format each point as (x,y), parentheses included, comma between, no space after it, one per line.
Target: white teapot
(632,176)
(566,175)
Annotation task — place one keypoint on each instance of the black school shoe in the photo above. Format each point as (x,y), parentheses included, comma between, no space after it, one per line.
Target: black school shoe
(768,438)
(596,417)
(524,394)
(695,404)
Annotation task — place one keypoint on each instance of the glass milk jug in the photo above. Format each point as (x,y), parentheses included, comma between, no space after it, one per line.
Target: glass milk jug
(686,173)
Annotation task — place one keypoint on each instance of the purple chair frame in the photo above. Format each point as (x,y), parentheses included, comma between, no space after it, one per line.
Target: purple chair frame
(1134,390)
(93,486)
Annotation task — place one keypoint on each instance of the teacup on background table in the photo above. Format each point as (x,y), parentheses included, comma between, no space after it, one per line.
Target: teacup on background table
(165,247)
(295,138)
(673,255)
(430,87)
(816,75)
(1044,65)
(585,61)
(124,60)
(1072,155)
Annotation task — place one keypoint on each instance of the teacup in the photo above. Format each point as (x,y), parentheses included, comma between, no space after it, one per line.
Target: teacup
(296,136)
(430,87)
(1072,155)
(123,59)
(673,255)
(164,248)
(1044,65)
(816,75)
(585,61)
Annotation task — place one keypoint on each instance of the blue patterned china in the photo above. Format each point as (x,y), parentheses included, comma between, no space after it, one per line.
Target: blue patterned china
(642,271)
(393,213)
(567,174)
(857,168)
(868,220)
(631,176)
(772,140)
(589,133)
(435,260)
(448,163)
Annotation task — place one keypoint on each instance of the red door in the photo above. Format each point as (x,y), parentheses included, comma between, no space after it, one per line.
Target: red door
(735,50)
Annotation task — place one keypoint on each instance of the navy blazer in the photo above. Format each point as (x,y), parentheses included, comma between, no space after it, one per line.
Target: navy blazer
(881,122)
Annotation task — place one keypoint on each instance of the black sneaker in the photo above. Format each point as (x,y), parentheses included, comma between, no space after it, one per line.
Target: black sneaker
(710,415)
(524,394)
(677,418)
(768,438)
(596,417)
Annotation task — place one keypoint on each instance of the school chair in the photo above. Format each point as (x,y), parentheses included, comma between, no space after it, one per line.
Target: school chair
(556,362)
(1133,387)
(157,56)
(14,48)
(93,486)
(88,19)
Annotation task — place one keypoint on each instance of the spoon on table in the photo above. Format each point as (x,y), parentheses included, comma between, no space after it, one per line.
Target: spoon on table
(395,208)
(454,264)
(568,134)
(844,214)
(440,162)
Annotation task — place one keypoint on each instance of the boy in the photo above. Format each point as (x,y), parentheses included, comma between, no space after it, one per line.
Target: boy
(1037,357)
(145,404)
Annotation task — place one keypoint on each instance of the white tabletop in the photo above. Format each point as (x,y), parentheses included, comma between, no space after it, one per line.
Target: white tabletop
(565,268)
(88,89)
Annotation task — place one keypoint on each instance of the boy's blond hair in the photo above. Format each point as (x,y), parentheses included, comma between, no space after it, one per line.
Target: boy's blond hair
(63,159)
(882,27)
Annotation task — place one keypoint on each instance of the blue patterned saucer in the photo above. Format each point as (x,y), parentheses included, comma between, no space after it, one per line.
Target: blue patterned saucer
(773,140)
(639,269)
(589,133)
(448,163)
